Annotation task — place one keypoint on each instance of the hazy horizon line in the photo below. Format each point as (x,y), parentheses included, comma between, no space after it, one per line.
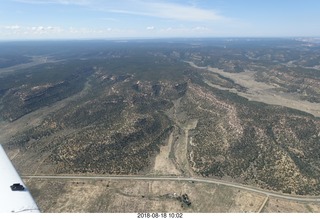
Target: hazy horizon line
(160,38)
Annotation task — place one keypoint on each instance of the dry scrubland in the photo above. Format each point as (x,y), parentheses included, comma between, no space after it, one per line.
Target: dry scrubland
(153,196)
(213,108)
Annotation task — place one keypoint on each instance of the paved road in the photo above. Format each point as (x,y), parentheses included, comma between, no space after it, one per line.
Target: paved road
(176,178)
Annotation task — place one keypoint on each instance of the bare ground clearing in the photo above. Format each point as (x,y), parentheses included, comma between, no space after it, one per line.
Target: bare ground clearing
(262,92)
(163,163)
(181,140)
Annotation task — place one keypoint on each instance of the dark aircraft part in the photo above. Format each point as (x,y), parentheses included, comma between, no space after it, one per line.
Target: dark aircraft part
(17,187)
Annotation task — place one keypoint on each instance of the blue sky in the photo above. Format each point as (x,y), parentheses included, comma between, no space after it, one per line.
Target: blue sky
(102,19)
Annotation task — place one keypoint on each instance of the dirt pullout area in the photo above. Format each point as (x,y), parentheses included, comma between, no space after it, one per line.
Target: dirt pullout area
(180,148)
(163,163)
(262,92)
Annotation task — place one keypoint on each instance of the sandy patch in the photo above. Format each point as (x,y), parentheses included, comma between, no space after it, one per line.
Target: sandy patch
(163,164)
(262,92)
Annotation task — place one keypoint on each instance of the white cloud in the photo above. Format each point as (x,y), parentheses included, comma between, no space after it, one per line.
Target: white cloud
(109,19)
(64,2)
(29,31)
(48,29)
(12,27)
(167,10)
(197,31)
(201,28)
(160,9)
(39,28)
(150,28)
(180,12)
(56,32)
